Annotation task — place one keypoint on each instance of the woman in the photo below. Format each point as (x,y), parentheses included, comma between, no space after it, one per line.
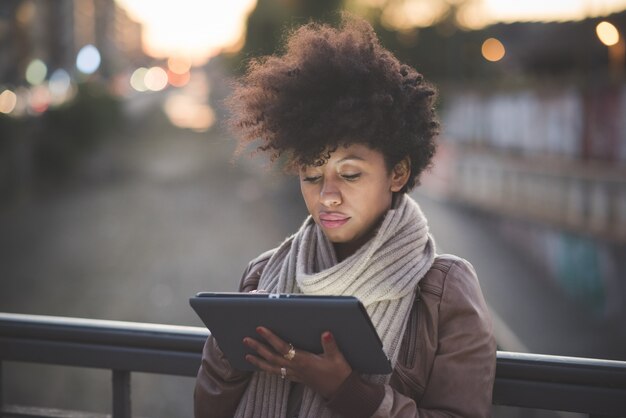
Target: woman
(359,128)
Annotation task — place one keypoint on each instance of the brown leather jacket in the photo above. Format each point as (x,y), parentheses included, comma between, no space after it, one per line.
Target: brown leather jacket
(446,366)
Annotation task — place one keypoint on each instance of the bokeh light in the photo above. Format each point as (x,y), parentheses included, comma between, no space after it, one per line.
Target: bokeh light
(493,50)
(23,96)
(137,79)
(39,99)
(410,14)
(547,11)
(36,72)
(59,84)
(186,111)
(8,100)
(25,13)
(156,79)
(608,33)
(88,59)
(178,80)
(189,107)
(179,65)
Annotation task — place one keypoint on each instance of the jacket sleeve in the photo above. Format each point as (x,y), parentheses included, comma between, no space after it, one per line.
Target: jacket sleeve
(463,371)
(218,386)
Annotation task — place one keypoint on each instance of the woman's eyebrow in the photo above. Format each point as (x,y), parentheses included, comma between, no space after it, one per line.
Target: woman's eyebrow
(352,157)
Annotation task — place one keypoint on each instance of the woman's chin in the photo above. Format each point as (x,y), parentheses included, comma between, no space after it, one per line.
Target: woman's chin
(335,237)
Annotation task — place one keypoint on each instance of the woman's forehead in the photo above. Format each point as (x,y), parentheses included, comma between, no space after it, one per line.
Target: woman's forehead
(350,152)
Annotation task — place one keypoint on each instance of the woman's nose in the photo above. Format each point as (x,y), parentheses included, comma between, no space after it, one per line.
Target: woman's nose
(330,195)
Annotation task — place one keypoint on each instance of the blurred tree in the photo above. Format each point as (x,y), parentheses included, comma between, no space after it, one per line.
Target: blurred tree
(443,38)
(272,18)
(75,128)
(402,15)
(423,33)
(431,35)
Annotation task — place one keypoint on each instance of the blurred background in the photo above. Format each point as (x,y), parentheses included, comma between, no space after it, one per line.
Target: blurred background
(120,196)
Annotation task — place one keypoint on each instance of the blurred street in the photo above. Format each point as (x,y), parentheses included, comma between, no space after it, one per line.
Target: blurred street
(163,214)
(153,218)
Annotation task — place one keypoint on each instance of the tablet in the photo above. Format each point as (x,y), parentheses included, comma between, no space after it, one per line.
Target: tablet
(297,319)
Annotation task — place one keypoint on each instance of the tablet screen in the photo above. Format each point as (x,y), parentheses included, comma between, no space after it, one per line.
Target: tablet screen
(297,319)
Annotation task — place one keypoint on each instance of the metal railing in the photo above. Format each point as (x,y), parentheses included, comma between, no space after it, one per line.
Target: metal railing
(591,386)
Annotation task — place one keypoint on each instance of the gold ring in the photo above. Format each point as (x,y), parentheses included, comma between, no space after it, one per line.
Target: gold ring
(283,373)
(291,353)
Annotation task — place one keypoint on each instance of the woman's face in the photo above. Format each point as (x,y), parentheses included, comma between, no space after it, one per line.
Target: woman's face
(350,193)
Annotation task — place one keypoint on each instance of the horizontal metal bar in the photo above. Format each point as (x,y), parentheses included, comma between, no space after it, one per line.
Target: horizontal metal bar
(560,397)
(15,411)
(591,386)
(151,348)
(145,359)
(103,332)
(570,370)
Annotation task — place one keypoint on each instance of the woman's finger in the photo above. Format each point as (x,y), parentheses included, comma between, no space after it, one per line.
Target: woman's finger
(263,350)
(329,345)
(282,371)
(277,343)
(262,364)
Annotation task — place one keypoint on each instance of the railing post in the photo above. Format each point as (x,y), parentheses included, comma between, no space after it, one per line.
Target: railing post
(121,394)
(1,388)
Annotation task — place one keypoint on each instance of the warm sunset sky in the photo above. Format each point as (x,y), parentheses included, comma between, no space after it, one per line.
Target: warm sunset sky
(200,28)
(511,10)
(192,28)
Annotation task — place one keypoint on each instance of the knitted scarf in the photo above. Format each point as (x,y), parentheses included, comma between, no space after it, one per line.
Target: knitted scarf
(383,274)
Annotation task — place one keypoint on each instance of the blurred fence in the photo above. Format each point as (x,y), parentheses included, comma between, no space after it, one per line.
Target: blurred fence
(551,162)
(581,123)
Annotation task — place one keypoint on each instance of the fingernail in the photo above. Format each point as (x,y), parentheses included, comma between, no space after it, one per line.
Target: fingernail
(260,330)
(328,337)
(246,341)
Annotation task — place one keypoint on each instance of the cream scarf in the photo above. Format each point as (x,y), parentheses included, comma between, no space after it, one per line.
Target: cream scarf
(383,274)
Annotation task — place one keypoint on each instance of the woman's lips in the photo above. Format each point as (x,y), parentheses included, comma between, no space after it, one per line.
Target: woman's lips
(333,220)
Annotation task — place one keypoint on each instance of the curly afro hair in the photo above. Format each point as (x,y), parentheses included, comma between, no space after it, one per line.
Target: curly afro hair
(335,87)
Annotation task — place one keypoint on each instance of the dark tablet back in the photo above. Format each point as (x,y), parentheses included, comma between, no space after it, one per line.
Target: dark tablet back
(297,319)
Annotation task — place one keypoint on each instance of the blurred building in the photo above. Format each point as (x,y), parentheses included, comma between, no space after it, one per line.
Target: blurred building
(48,49)
(14,48)
(54,32)
(545,154)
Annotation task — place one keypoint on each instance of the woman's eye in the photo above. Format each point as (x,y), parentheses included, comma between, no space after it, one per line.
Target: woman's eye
(311,179)
(351,177)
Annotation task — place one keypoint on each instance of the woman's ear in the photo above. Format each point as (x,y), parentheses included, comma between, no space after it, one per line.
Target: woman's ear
(400,174)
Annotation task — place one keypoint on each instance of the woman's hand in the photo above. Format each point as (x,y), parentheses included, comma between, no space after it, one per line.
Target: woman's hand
(323,373)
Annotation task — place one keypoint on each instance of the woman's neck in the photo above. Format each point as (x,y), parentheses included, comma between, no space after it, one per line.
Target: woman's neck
(344,250)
